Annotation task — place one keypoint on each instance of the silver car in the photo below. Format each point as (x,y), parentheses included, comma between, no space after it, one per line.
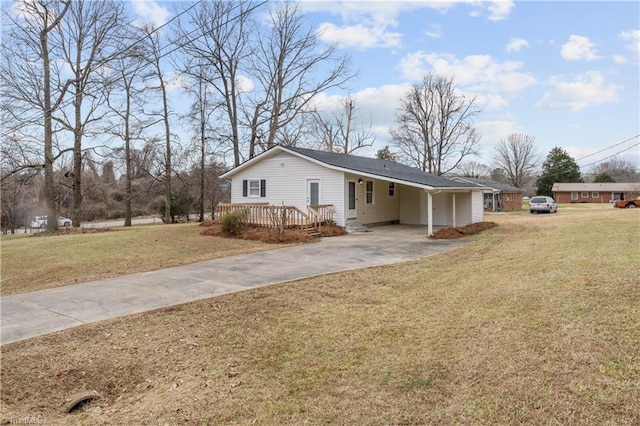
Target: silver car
(542,204)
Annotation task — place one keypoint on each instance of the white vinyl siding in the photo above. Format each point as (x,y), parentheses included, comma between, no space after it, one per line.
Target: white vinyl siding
(286,178)
(383,209)
(413,205)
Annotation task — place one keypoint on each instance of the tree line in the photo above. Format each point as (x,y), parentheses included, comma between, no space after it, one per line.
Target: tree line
(95,106)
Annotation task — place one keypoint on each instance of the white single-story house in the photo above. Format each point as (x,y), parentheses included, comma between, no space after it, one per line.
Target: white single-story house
(367,191)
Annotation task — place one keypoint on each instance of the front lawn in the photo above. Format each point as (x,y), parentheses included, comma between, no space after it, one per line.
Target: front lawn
(535,322)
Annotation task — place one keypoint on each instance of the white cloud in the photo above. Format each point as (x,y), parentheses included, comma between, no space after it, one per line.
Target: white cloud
(491,101)
(369,24)
(633,37)
(492,131)
(619,59)
(480,72)
(585,90)
(360,36)
(577,48)
(499,9)
(516,44)
(150,12)
(245,84)
(375,105)
(434,31)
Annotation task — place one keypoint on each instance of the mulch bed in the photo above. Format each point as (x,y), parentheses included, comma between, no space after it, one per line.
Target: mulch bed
(452,233)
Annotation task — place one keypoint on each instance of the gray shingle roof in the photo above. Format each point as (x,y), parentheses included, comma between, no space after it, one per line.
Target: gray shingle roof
(492,184)
(382,168)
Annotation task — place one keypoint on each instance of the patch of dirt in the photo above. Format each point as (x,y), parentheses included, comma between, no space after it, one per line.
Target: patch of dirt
(452,233)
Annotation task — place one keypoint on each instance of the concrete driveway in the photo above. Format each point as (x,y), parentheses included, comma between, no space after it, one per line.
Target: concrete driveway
(33,314)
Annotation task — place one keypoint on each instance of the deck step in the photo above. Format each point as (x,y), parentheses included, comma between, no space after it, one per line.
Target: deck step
(356,227)
(312,231)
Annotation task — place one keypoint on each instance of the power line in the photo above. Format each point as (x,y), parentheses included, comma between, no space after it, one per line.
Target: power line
(609,147)
(612,155)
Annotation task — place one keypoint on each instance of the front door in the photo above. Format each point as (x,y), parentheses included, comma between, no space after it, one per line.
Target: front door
(313,192)
(351,199)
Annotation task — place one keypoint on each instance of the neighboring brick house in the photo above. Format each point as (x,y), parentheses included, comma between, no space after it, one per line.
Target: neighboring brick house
(498,196)
(594,192)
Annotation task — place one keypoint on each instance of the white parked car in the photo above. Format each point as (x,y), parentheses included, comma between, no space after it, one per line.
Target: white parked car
(542,204)
(41,222)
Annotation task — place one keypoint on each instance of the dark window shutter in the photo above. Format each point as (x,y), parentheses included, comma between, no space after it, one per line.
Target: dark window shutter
(263,188)
(244,188)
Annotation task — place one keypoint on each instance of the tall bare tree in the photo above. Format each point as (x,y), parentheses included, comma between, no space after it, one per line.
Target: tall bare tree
(221,45)
(86,35)
(291,67)
(344,132)
(157,73)
(125,99)
(32,85)
(518,157)
(435,125)
(199,118)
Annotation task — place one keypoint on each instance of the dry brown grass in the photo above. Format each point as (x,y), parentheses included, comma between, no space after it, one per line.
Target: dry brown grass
(31,263)
(535,322)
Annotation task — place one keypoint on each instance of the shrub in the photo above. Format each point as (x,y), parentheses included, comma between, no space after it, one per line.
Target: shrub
(232,223)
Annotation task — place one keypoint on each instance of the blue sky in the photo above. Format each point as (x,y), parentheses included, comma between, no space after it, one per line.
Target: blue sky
(564,72)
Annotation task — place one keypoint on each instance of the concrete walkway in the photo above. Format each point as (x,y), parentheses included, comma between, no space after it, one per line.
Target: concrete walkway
(33,314)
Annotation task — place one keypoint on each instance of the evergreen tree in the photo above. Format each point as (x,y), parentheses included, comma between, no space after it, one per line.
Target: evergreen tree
(386,154)
(559,167)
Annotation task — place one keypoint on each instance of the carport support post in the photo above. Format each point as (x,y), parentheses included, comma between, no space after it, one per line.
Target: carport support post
(429,214)
(454,209)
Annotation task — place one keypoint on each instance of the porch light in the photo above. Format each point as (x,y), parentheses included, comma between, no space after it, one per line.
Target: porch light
(360,181)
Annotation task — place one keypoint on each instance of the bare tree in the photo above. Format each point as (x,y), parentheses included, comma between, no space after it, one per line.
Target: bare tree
(221,45)
(291,68)
(518,157)
(124,98)
(199,118)
(435,125)
(473,169)
(32,86)
(86,35)
(618,169)
(344,132)
(157,73)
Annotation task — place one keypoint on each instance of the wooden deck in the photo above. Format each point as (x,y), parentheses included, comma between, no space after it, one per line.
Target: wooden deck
(268,216)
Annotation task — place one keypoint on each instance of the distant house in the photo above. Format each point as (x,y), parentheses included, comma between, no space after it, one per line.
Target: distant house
(594,192)
(358,190)
(497,196)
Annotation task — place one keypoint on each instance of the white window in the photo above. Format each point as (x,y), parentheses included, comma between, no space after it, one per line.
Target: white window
(392,189)
(595,195)
(574,196)
(254,188)
(585,195)
(369,192)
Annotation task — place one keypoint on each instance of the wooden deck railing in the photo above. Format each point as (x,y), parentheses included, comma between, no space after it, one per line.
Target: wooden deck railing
(265,215)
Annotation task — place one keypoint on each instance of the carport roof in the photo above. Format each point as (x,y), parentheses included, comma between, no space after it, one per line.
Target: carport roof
(369,167)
